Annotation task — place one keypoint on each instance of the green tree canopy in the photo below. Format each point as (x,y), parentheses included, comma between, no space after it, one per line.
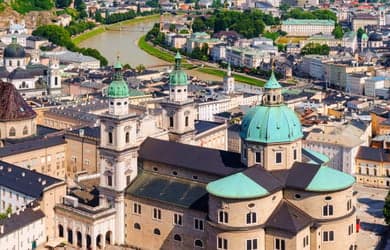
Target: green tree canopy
(316,49)
(338,31)
(63,3)
(298,13)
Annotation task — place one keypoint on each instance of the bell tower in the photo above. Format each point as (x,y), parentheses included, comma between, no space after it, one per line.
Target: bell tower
(53,75)
(118,150)
(179,110)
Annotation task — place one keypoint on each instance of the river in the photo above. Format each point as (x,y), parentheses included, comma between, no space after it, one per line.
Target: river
(124,43)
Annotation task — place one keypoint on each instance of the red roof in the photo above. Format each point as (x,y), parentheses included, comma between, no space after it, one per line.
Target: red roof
(13,106)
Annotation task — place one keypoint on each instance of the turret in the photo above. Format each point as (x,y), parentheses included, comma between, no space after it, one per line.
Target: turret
(118,93)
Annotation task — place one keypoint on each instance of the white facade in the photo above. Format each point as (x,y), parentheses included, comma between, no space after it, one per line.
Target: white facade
(54,75)
(373,83)
(23,237)
(12,63)
(355,84)
(13,199)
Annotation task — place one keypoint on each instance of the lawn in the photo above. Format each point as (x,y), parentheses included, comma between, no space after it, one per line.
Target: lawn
(238,78)
(290,39)
(151,50)
(88,34)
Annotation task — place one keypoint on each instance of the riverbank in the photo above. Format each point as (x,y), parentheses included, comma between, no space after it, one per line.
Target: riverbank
(102,28)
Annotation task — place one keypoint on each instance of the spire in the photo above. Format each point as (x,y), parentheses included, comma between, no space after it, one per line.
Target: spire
(117,70)
(272,82)
(178,61)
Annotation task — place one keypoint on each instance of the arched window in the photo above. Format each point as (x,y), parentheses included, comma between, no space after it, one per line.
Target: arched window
(170,121)
(198,243)
(127,137)
(186,121)
(10,62)
(156,231)
(137,226)
(110,137)
(177,237)
(25,130)
(223,217)
(55,81)
(18,63)
(24,84)
(251,218)
(12,131)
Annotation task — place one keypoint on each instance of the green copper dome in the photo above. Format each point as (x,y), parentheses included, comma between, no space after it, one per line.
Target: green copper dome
(329,179)
(14,50)
(236,186)
(178,77)
(271,124)
(118,87)
(364,36)
(272,83)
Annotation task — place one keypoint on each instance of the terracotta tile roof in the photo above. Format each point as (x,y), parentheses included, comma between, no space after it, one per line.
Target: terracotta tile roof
(13,106)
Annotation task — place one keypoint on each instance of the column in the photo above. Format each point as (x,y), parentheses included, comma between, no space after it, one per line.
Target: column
(74,236)
(103,241)
(93,242)
(65,226)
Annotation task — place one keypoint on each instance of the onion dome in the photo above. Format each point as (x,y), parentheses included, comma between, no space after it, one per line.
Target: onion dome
(14,50)
(178,77)
(271,122)
(118,87)
(13,106)
(364,36)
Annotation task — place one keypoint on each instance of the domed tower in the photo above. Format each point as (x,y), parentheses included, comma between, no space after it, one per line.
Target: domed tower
(271,133)
(363,42)
(118,150)
(179,110)
(14,56)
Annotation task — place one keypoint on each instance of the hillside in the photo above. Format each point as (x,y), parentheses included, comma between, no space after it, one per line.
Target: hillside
(32,18)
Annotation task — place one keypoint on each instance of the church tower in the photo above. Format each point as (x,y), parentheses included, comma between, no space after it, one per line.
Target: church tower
(53,75)
(228,81)
(179,110)
(118,150)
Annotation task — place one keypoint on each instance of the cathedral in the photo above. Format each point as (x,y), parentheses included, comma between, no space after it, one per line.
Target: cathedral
(174,194)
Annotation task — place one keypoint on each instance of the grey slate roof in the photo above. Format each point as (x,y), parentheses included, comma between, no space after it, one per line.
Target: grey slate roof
(23,219)
(166,189)
(20,73)
(373,154)
(30,145)
(202,126)
(31,184)
(288,218)
(298,177)
(211,161)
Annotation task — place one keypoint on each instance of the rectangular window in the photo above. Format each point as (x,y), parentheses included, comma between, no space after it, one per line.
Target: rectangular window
(156,214)
(136,208)
(222,243)
(328,236)
(251,218)
(171,121)
(327,210)
(178,219)
(198,224)
(278,157)
(305,241)
(295,154)
(258,157)
(223,217)
(280,244)
(251,244)
(109,180)
(350,229)
(349,204)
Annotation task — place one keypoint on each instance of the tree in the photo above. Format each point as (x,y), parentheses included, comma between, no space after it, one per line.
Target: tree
(338,31)
(140,68)
(360,32)
(198,25)
(315,48)
(386,209)
(63,3)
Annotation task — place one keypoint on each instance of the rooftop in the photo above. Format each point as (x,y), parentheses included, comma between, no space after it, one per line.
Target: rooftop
(31,145)
(25,181)
(309,22)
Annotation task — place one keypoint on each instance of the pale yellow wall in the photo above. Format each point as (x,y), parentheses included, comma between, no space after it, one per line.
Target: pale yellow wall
(49,161)
(30,124)
(81,155)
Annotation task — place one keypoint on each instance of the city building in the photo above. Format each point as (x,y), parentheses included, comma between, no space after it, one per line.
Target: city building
(307,27)
(373,167)
(262,198)
(361,20)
